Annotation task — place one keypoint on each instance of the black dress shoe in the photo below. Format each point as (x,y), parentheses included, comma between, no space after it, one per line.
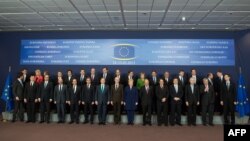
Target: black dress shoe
(48,122)
(85,122)
(150,124)
(13,121)
(144,124)
(179,124)
(204,124)
(166,124)
(194,124)
(59,122)
(189,124)
(211,124)
(71,122)
(91,122)
(103,123)
(27,121)
(100,123)
(41,121)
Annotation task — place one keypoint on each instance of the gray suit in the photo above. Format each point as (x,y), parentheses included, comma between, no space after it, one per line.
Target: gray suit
(60,98)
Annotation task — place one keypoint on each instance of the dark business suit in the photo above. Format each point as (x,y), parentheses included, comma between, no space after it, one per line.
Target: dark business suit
(74,94)
(168,81)
(108,79)
(94,80)
(146,97)
(130,99)
(88,97)
(228,96)
(45,94)
(81,80)
(60,95)
(18,91)
(207,103)
(192,97)
(217,89)
(102,97)
(154,82)
(162,107)
(175,116)
(117,98)
(68,81)
(183,84)
(30,94)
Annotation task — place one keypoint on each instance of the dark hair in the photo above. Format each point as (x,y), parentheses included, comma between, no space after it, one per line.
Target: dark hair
(69,70)
(19,74)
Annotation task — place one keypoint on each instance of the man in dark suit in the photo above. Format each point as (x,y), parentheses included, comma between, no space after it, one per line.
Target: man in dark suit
(146,96)
(18,93)
(167,79)
(207,102)
(195,77)
(210,78)
(219,80)
(129,77)
(117,99)
(69,78)
(176,94)
(119,75)
(45,98)
(88,100)
(73,99)
(94,77)
(107,76)
(192,98)
(102,99)
(182,82)
(228,99)
(154,82)
(25,76)
(30,98)
(82,78)
(162,94)
(60,94)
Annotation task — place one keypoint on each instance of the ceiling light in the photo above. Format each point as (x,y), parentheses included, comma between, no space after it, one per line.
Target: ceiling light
(193,27)
(29,29)
(227,28)
(60,28)
(183,18)
(92,28)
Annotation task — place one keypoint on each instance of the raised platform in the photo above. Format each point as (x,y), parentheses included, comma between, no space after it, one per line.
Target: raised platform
(138,118)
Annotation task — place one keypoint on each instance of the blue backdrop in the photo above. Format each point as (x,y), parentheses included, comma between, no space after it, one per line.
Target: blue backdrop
(10,50)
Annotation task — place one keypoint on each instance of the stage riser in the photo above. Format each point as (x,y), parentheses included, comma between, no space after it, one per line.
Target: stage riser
(138,119)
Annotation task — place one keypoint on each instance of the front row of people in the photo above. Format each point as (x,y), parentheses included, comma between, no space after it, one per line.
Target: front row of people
(102,96)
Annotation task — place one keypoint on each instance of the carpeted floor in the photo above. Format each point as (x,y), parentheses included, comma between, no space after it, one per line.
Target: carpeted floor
(65,132)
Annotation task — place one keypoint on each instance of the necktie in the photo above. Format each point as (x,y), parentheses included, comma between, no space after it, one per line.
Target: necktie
(176,89)
(45,84)
(116,86)
(147,89)
(74,89)
(60,87)
(154,80)
(88,86)
(192,88)
(228,86)
(102,88)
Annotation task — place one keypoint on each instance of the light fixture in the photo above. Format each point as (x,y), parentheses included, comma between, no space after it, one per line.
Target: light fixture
(183,18)
(60,28)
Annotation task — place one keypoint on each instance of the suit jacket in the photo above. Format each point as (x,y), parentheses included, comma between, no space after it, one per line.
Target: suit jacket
(117,94)
(198,79)
(218,84)
(228,95)
(88,94)
(169,82)
(72,96)
(94,81)
(192,97)
(130,98)
(122,80)
(102,96)
(173,93)
(18,90)
(60,96)
(67,81)
(184,82)
(31,92)
(162,93)
(146,97)
(46,93)
(108,79)
(207,97)
(80,81)
(152,83)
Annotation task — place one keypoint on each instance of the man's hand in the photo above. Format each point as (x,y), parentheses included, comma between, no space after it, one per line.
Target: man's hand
(96,103)
(17,98)
(221,102)
(50,100)
(136,103)
(187,103)
(55,102)
(163,99)
(25,100)
(111,102)
(39,99)
(235,103)
(198,103)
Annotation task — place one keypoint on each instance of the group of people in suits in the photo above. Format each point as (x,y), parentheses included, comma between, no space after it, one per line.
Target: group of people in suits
(154,94)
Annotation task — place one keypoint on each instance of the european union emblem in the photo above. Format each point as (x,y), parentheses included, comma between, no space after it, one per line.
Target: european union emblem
(124,52)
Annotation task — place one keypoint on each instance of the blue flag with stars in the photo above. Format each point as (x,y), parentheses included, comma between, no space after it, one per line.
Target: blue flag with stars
(243,106)
(7,95)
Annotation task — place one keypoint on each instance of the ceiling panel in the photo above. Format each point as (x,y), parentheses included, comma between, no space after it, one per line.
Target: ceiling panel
(110,14)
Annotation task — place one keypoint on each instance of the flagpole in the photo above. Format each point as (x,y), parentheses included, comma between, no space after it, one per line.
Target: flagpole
(6,113)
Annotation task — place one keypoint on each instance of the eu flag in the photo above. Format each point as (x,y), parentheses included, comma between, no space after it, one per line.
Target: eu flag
(7,95)
(243,106)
